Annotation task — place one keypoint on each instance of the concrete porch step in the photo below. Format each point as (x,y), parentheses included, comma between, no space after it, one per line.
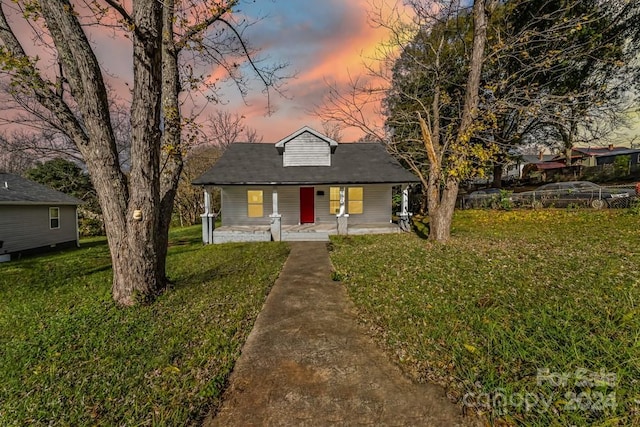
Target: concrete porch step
(226,236)
(305,236)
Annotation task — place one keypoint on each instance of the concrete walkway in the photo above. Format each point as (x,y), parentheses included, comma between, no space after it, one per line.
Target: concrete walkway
(308,362)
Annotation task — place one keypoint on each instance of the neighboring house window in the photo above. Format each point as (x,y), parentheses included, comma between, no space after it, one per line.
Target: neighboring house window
(254,204)
(54,218)
(356,196)
(334,200)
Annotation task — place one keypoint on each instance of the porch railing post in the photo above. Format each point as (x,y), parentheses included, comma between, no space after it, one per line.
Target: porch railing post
(208,220)
(341,217)
(403,220)
(275,217)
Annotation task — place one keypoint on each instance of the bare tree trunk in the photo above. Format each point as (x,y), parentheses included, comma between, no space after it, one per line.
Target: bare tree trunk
(441,215)
(498,169)
(568,151)
(171,144)
(136,263)
(132,241)
(440,220)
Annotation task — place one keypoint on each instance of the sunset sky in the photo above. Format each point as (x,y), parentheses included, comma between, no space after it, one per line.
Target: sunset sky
(322,41)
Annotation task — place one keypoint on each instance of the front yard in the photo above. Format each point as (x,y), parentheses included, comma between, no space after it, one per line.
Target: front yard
(530,317)
(68,356)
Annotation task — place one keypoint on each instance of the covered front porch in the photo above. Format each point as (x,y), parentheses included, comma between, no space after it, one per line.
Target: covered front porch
(277,229)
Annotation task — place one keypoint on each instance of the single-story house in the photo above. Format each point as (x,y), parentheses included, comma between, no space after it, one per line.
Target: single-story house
(34,217)
(598,156)
(304,187)
(529,166)
(544,171)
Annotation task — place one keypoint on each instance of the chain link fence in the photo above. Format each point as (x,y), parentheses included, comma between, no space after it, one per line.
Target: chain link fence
(611,196)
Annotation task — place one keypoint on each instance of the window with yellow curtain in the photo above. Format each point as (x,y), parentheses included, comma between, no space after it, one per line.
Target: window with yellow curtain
(254,204)
(356,197)
(334,200)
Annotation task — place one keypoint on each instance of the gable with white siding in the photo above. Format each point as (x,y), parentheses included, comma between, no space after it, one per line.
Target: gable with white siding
(306,150)
(306,147)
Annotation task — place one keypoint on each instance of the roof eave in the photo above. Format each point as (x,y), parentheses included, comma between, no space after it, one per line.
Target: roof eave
(265,183)
(38,203)
(282,142)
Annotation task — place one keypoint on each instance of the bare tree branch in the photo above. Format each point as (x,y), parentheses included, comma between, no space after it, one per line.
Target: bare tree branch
(121,10)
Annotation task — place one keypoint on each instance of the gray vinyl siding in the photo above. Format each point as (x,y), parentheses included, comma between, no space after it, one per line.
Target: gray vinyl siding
(376,209)
(25,227)
(307,150)
(322,205)
(289,204)
(234,206)
(377,205)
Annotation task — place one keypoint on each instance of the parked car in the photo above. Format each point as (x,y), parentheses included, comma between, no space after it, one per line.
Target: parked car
(486,198)
(564,194)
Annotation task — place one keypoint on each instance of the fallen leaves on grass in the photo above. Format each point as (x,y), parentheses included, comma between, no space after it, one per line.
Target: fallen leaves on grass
(511,293)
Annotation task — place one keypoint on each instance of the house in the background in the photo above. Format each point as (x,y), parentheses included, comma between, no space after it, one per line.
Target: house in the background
(582,159)
(304,187)
(545,170)
(534,165)
(600,156)
(34,217)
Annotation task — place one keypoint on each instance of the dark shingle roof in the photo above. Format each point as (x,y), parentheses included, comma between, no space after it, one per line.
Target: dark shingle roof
(255,164)
(535,158)
(606,151)
(15,190)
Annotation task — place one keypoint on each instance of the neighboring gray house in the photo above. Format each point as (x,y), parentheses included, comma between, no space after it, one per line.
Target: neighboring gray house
(304,187)
(34,217)
(599,156)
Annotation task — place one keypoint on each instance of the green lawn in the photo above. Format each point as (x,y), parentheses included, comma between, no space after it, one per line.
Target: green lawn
(530,317)
(68,356)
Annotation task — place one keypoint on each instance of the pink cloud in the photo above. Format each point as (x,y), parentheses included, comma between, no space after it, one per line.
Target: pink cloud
(324,42)
(341,56)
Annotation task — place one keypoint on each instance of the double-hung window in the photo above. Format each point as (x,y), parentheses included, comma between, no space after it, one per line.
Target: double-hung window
(54,218)
(334,200)
(354,196)
(356,199)
(255,204)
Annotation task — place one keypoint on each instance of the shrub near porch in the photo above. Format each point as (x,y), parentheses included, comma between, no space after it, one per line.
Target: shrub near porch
(514,294)
(69,356)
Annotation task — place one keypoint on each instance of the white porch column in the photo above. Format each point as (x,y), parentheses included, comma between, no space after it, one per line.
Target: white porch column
(207,201)
(274,200)
(276,218)
(342,217)
(404,209)
(208,220)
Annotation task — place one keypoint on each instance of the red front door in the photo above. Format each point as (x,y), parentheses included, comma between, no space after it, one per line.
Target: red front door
(307,205)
